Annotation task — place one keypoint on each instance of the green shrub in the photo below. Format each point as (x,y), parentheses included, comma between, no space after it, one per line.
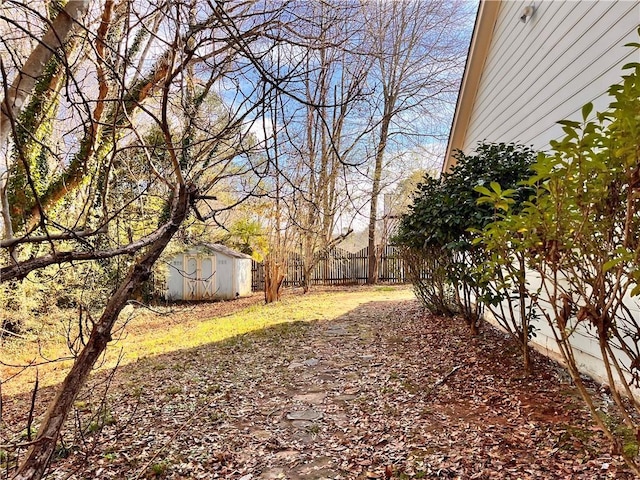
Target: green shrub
(443,221)
(579,234)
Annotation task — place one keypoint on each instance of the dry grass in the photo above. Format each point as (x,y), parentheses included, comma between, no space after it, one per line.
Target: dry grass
(141,333)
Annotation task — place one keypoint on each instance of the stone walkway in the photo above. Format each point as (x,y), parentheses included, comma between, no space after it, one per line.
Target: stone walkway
(322,402)
(359,397)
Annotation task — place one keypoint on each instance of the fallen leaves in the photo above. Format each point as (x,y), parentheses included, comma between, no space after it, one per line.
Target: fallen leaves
(383,392)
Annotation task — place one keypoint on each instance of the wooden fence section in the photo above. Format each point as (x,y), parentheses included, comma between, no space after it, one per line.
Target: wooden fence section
(338,267)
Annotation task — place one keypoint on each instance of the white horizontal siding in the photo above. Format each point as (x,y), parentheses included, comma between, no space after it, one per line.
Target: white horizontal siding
(584,339)
(543,71)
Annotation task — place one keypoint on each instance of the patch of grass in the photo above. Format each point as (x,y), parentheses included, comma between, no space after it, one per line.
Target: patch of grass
(418,474)
(581,434)
(62,451)
(160,469)
(567,440)
(211,389)
(104,419)
(136,391)
(385,288)
(173,390)
(630,445)
(410,387)
(290,314)
(313,429)
(146,335)
(24,434)
(93,427)
(217,417)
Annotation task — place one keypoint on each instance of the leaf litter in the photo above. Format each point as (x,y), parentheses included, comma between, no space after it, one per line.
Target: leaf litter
(385,391)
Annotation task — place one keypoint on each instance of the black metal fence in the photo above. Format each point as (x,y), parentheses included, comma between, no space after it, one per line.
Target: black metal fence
(338,267)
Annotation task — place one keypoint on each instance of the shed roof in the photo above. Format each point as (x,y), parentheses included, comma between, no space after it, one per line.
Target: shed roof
(223,249)
(219,248)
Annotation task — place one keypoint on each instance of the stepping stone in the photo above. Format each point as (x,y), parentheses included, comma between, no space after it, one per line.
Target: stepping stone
(324,384)
(302,424)
(317,468)
(328,378)
(287,455)
(309,415)
(311,362)
(337,331)
(273,473)
(261,435)
(344,398)
(315,398)
(340,419)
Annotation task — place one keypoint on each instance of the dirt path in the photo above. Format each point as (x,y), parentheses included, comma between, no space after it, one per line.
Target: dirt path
(382,392)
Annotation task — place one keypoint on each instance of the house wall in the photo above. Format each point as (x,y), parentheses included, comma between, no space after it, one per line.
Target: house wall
(542,71)
(584,340)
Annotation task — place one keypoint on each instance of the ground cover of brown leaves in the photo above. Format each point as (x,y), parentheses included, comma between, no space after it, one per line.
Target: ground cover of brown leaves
(386,391)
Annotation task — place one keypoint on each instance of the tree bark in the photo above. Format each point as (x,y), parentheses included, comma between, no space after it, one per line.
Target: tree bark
(372,274)
(273,279)
(39,455)
(22,87)
(526,357)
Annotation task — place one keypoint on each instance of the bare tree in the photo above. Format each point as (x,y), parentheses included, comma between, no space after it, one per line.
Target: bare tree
(417,54)
(320,131)
(112,139)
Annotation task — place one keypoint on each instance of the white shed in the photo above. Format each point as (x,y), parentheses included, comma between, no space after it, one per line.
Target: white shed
(209,272)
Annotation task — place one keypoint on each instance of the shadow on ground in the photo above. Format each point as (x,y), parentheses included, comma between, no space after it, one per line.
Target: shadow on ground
(384,390)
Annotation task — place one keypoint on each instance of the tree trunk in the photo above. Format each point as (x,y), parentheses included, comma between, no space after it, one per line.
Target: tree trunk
(273,279)
(372,274)
(526,357)
(34,465)
(57,33)
(306,277)
(474,326)
(17,96)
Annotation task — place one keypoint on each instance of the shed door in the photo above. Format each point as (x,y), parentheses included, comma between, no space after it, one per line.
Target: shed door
(199,277)
(207,284)
(190,277)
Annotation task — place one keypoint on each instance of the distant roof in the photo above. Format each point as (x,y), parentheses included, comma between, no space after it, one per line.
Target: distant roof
(219,248)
